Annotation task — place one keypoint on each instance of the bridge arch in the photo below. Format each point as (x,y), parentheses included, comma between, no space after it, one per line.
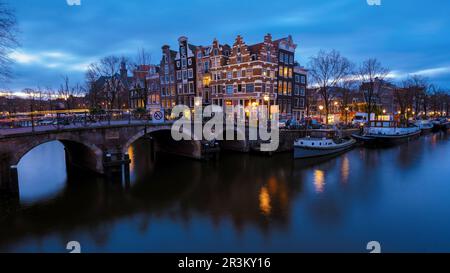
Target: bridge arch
(86,155)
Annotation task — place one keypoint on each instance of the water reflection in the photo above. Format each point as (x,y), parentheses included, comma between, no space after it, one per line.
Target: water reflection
(319,180)
(242,203)
(38,179)
(264,201)
(345,169)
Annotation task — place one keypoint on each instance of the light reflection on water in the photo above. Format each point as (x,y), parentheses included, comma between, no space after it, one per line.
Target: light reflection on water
(398,196)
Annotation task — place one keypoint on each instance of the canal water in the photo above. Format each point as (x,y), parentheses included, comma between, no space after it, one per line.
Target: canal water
(398,196)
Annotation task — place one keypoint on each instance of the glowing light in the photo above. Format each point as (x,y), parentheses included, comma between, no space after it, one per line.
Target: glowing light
(131,154)
(264,201)
(345,169)
(384,111)
(319,180)
(320,107)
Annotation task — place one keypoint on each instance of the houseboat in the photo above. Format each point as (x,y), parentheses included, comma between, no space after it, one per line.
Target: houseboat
(321,143)
(425,126)
(387,133)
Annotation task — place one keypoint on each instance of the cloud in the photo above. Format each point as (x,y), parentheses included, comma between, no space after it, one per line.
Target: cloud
(52,60)
(434,71)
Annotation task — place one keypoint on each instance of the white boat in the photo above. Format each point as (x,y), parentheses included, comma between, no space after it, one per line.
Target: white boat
(424,125)
(441,124)
(321,143)
(387,133)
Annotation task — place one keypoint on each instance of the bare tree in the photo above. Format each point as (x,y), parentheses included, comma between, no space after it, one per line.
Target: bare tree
(108,71)
(8,41)
(68,93)
(49,95)
(143,60)
(417,86)
(371,75)
(347,90)
(404,100)
(327,69)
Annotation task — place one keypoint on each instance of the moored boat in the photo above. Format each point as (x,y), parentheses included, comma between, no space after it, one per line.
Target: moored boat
(441,124)
(321,143)
(425,126)
(387,133)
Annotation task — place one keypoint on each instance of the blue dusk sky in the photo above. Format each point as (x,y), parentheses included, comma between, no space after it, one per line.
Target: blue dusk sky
(57,39)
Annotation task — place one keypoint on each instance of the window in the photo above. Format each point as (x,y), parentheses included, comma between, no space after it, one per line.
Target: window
(178,75)
(229,89)
(191,87)
(285,74)
(199,54)
(302,91)
(185,89)
(229,75)
(290,73)
(250,88)
(280,70)
(239,59)
(206,66)
(183,62)
(303,79)
(190,73)
(249,72)
(239,49)
(302,103)
(216,52)
(291,59)
(286,58)
(280,87)
(178,64)
(285,88)
(289,91)
(297,78)
(171,77)
(281,57)
(180,88)
(184,74)
(238,73)
(239,88)
(296,90)
(243,73)
(190,62)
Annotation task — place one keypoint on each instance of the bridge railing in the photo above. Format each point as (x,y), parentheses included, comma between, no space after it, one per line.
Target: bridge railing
(44,121)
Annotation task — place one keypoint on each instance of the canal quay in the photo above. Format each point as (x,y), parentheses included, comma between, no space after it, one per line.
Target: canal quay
(239,202)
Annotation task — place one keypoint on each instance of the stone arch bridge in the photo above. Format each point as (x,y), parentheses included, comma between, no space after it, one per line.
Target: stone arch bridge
(102,149)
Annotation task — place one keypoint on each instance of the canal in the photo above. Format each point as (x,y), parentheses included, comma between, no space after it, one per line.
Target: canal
(398,196)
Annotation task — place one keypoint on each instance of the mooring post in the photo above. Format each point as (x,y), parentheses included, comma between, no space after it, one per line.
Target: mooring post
(126,169)
(13,186)
(107,167)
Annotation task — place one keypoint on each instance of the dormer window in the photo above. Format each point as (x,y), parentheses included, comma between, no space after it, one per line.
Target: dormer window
(216,52)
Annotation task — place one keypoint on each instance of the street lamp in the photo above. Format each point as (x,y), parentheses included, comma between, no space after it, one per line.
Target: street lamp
(267,99)
(320,112)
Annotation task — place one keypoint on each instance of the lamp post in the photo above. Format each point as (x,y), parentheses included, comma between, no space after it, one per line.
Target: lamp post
(346,115)
(320,112)
(267,100)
